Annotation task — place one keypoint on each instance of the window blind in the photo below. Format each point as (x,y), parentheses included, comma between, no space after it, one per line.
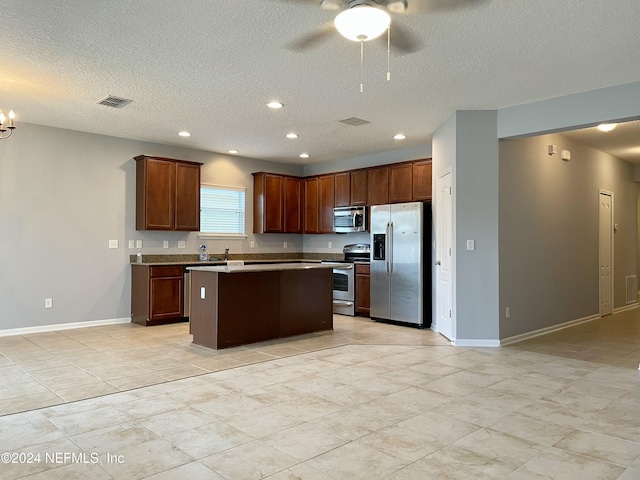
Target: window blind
(222,209)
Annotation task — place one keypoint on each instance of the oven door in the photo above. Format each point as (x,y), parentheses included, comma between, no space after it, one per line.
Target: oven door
(344,283)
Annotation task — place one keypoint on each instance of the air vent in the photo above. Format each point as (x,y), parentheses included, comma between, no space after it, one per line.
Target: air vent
(354,122)
(631,284)
(114,102)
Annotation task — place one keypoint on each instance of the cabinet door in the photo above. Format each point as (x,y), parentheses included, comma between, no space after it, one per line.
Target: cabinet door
(400,183)
(292,209)
(326,202)
(310,201)
(422,172)
(378,186)
(187,201)
(359,187)
(273,203)
(166,298)
(156,191)
(343,189)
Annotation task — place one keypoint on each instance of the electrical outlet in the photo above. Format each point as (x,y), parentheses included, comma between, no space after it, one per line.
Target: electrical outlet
(182,244)
(252,244)
(132,244)
(138,243)
(471,245)
(113,243)
(165,244)
(48,303)
(285,244)
(330,244)
(507,312)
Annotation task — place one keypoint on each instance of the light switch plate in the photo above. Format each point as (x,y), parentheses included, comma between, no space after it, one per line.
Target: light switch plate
(285,244)
(182,244)
(330,244)
(113,243)
(471,245)
(138,243)
(202,293)
(132,244)
(48,303)
(252,244)
(165,244)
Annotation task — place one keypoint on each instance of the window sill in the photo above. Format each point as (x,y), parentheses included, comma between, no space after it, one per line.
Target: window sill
(221,235)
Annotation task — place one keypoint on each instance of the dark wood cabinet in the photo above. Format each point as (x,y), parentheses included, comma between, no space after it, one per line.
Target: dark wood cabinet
(401,183)
(363,289)
(310,205)
(167,194)
(292,205)
(157,294)
(326,202)
(359,187)
(378,186)
(276,203)
(422,175)
(343,189)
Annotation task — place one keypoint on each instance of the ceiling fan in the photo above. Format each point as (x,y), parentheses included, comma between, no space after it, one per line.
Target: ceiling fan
(365,20)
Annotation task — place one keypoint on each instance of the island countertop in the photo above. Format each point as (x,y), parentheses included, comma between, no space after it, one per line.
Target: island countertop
(269,267)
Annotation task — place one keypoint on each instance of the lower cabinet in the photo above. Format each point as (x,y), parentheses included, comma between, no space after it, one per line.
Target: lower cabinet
(157,294)
(363,289)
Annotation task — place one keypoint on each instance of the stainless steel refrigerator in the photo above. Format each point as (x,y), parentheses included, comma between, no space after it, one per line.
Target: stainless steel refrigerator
(400,240)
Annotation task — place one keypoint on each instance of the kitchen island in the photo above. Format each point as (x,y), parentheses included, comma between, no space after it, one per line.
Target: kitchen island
(237,305)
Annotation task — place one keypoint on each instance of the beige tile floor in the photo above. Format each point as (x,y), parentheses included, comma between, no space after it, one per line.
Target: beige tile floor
(366,401)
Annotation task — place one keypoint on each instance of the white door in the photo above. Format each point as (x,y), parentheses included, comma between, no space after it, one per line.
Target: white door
(606,252)
(444,267)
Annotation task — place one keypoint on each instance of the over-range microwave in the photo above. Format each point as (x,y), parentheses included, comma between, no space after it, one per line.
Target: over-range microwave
(349,219)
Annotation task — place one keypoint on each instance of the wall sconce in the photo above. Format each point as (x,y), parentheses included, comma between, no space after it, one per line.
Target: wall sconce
(10,128)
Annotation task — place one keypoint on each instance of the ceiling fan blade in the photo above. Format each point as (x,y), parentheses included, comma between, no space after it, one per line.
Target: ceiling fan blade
(402,39)
(311,39)
(428,6)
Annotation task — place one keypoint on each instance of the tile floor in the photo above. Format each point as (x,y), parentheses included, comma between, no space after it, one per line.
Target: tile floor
(366,401)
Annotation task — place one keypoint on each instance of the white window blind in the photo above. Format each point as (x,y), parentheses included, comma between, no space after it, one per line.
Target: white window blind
(222,209)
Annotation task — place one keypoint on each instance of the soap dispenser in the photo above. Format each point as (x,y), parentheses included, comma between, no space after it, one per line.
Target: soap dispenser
(204,256)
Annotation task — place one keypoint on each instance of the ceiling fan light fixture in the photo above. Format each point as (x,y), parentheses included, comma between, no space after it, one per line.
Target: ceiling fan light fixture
(607,127)
(362,23)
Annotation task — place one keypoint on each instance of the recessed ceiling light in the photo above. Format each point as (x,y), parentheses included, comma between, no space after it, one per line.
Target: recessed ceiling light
(233,151)
(400,136)
(275,105)
(292,135)
(184,134)
(304,155)
(607,127)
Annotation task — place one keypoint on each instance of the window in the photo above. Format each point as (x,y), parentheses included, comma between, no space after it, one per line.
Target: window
(222,210)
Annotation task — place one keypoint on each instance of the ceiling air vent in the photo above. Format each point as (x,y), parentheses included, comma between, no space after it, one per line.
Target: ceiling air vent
(114,102)
(354,122)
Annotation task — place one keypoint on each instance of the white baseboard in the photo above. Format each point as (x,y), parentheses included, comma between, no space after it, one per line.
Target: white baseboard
(544,331)
(62,326)
(462,342)
(626,307)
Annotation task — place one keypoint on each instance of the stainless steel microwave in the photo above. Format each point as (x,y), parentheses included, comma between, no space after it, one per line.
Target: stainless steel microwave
(349,219)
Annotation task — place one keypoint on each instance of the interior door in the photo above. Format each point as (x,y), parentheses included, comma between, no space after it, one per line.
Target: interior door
(444,259)
(606,252)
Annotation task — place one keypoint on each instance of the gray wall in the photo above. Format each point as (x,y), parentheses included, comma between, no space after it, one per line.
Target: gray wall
(549,231)
(64,195)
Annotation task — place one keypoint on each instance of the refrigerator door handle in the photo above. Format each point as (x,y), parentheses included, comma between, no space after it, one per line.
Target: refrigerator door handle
(386,249)
(390,237)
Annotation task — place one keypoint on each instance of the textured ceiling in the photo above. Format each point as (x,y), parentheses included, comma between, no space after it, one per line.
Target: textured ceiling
(210,66)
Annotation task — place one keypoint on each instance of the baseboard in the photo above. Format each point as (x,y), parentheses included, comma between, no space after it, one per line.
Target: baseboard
(544,331)
(626,307)
(462,342)
(62,326)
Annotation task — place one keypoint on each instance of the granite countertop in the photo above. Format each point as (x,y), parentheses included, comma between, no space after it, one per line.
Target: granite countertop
(192,260)
(269,267)
(222,262)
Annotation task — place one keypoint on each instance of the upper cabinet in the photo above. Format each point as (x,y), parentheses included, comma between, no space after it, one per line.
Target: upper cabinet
(359,188)
(276,203)
(378,185)
(400,183)
(343,189)
(422,181)
(310,205)
(326,202)
(167,194)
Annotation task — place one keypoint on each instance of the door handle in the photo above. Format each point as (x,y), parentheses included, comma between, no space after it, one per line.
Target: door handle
(437,262)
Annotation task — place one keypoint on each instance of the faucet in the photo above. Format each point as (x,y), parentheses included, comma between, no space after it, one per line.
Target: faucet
(226,253)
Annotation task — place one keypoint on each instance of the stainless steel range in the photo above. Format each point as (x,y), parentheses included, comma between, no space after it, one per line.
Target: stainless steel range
(344,292)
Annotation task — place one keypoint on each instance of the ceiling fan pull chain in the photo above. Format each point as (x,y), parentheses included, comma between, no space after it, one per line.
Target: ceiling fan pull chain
(361,66)
(389,53)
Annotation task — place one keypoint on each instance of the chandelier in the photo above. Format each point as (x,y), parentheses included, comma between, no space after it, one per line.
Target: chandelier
(4,128)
